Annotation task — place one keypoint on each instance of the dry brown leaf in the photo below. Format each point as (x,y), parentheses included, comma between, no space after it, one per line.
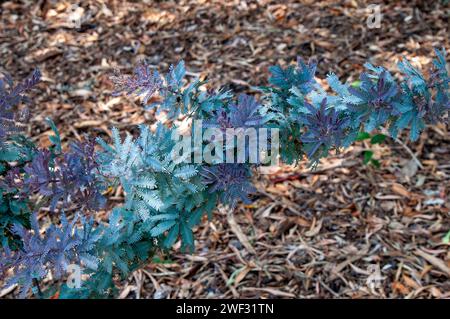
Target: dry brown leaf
(315,229)
(88,123)
(273,291)
(434,261)
(400,190)
(436,292)
(126,291)
(239,234)
(398,286)
(410,282)
(241,275)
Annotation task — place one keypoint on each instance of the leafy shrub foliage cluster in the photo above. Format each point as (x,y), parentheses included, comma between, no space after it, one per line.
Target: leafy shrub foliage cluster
(16,152)
(166,196)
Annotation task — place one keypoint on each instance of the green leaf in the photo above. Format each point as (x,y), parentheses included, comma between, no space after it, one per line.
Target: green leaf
(158,260)
(367,156)
(162,227)
(17,206)
(9,155)
(356,83)
(375,163)
(195,217)
(163,217)
(362,136)
(171,236)
(377,139)
(55,139)
(446,239)
(186,234)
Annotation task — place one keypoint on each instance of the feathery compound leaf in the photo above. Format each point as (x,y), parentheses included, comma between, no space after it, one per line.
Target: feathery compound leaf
(59,247)
(70,178)
(301,77)
(186,235)
(176,75)
(162,227)
(143,82)
(325,129)
(232,181)
(151,198)
(55,139)
(377,98)
(172,236)
(185,172)
(11,96)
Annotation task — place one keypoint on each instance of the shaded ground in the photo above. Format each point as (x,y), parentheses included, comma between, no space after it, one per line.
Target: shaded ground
(345,230)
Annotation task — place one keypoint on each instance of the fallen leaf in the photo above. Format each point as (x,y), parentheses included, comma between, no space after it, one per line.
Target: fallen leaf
(400,190)
(315,229)
(398,286)
(410,282)
(410,169)
(239,234)
(272,291)
(438,263)
(241,275)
